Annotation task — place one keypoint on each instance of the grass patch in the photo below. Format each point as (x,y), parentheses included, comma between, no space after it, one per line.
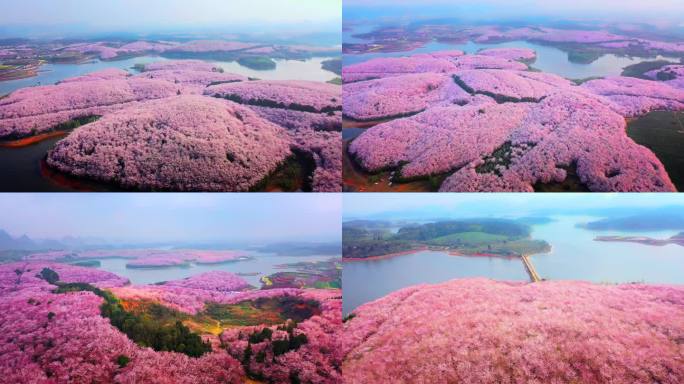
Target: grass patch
(260,63)
(467,239)
(148,324)
(663,133)
(269,311)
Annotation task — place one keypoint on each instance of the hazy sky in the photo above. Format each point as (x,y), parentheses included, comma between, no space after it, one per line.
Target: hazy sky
(173,216)
(617,10)
(497,204)
(170,14)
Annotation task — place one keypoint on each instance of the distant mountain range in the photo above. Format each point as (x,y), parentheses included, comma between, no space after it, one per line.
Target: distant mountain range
(25,243)
(7,242)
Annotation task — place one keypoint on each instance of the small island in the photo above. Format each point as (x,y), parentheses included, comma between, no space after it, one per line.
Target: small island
(365,240)
(259,63)
(307,274)
(677,239)
(333,65)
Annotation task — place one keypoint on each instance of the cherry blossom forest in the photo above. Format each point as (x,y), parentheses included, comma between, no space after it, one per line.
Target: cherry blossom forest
(182,309)
(169,128)
(486,119)
(240,99)
(598,324)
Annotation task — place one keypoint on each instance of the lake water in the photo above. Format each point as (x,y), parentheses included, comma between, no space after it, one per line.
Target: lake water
(285,70)
(575,255)
(364,281)
(261,262)
(549,59)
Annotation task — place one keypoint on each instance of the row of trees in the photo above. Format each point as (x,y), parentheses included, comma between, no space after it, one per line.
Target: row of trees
(143,328)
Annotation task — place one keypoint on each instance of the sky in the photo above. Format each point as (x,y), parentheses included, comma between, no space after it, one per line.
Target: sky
(384,205)
(181,217)
(617,10)
(151,15)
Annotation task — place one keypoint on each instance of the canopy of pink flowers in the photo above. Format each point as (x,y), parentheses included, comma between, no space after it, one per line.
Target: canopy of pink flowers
(213,281)
(517,54)
(105,74)
(484,331)
(316,95)
(633,97)
(467,117)
(309,111)
(675,73)
(317,361)
(182,142)
(179,143)
(435,62)
(61,338)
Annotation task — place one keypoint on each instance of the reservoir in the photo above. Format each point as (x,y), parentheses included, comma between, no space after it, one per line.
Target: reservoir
(575,255)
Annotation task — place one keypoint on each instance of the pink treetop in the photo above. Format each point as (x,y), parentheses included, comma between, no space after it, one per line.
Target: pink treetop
(147,46)
(566,126)
(37,109)
(104,74)
(152,262)
(553,331)
(316,95)
(104,51)
(62,338)
(179,143)
(213,281)
(518,85)
(394,66)
(181,65)
(674,75)
(563,129)
(517,54)
(439,139)
(192,81)
(211,46)
(398,95)
(633,97)
(48,256)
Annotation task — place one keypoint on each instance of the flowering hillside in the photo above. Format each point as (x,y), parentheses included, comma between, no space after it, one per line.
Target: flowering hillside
(484,331)
(487,123)
(59,328)
(162,130)
(62,338)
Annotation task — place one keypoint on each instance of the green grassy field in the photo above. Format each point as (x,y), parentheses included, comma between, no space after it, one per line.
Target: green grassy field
(663,133)
(468,239)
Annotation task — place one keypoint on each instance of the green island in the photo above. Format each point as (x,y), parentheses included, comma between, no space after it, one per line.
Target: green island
(308,274)
(333,65)
(260,63)
(468,237)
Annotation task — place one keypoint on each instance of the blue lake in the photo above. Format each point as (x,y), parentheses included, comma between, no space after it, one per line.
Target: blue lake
(549,59)
(263,263)
(285,70)
(574,256)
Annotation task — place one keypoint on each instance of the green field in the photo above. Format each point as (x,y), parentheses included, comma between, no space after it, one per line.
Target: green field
(663,133)
(467,239)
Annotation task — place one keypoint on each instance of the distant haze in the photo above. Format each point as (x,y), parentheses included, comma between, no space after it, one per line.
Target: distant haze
(175,217)
(69,17)
(445,205)
(657,11)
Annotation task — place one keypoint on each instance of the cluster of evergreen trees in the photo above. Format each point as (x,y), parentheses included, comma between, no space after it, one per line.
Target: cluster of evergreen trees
(143,328)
